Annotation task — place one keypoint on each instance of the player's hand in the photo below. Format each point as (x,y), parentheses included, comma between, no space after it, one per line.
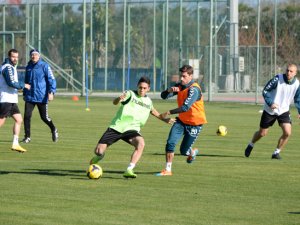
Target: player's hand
(164,115)
(173,89)
(274,106)
(27,86)
(50,96)
(122,97)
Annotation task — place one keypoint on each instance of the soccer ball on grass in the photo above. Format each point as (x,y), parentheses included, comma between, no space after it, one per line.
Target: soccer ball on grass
(222,131)
(94,171)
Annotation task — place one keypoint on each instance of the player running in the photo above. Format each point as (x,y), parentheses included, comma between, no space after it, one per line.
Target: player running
(132,115)
(9,86)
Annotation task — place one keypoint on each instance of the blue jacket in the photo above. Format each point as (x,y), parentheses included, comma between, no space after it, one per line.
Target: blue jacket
(41,80)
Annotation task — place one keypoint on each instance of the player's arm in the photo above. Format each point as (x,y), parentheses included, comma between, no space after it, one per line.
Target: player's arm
(123,97)
(271,85)
(193,96)
(297,101)
(8,75)
(155,113)
(51,82)
(170,92)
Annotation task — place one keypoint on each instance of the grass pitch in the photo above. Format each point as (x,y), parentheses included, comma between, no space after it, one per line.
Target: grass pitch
(48,184)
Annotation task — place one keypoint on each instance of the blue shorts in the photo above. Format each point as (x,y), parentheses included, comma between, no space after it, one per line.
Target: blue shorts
(189,132)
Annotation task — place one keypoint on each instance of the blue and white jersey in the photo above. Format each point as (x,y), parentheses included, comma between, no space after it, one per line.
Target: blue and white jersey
(9,83)
(281,92)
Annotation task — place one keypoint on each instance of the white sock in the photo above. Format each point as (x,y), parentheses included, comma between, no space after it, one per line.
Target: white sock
(169,166)
(130,166)
(277,150)
(15,140)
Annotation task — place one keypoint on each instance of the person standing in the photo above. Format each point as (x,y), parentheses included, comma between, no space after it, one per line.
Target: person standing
(9,86)
(43,87)
(133,113)
(278,94)
(190,120)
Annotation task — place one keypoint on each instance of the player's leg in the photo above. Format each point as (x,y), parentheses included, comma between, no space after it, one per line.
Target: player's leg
(16,115)
(43,110)
(137,141)
(109,137)
(191,133)
(266,121)
(175,134)
(285,123)
(3,113)
(29,107)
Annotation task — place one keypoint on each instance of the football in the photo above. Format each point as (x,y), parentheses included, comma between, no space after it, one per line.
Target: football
(94,171)
(222,130)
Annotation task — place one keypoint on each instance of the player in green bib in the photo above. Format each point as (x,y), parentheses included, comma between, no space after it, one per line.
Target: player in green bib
(126,124)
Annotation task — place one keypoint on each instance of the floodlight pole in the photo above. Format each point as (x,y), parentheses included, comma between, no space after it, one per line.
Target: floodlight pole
(257,50)
(124,44)
(40,26)
(106,44)
(275,38)
(154,45)
(83,48)
(180,35)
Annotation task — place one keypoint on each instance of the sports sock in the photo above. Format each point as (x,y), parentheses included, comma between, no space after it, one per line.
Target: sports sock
(131,166)
(169,166)
(96,159)
(251,144)
(277,150)
(15,140)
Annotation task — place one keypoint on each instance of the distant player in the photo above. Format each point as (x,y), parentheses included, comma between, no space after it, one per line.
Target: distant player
(278,94)
(132,115)
(9,86)
(190,120)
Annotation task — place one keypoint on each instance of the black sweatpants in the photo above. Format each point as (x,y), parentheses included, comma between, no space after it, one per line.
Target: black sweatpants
(43,110)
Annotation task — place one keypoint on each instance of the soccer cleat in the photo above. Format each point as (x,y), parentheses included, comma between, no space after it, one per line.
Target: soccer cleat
(18,148)
(276,156)
(248,150)
(26,140)
(192,157)
(54,135)
(164,173)
(129,174)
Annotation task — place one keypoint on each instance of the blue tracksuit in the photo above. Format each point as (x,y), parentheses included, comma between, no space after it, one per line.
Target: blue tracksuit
(42,81)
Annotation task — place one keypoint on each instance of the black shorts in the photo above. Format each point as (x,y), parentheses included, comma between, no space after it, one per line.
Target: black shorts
(268,120)
(111,136)
(8,109)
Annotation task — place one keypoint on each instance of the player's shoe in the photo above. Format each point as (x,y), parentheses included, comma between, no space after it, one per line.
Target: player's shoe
(248,150)
(18,148)
(26,140)
(164,173)
(192,157)
(276,156)
(54,135)
(129,174)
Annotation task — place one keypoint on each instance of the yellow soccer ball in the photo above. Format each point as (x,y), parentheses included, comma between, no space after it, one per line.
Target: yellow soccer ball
(222,131)
(94,171)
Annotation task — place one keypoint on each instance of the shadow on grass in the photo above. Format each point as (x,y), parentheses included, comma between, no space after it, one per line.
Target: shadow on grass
(74,174)
(294,213)
(207,155)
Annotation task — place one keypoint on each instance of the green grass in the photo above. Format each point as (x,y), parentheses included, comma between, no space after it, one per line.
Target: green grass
(48,184)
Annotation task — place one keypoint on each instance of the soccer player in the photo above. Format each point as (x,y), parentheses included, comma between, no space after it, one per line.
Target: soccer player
(43,87)
(190,120)
(278,94)
(9,86)
(132,115)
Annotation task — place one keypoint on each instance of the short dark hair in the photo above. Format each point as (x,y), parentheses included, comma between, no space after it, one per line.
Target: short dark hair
(186,68)
(12,51)
(144,80)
